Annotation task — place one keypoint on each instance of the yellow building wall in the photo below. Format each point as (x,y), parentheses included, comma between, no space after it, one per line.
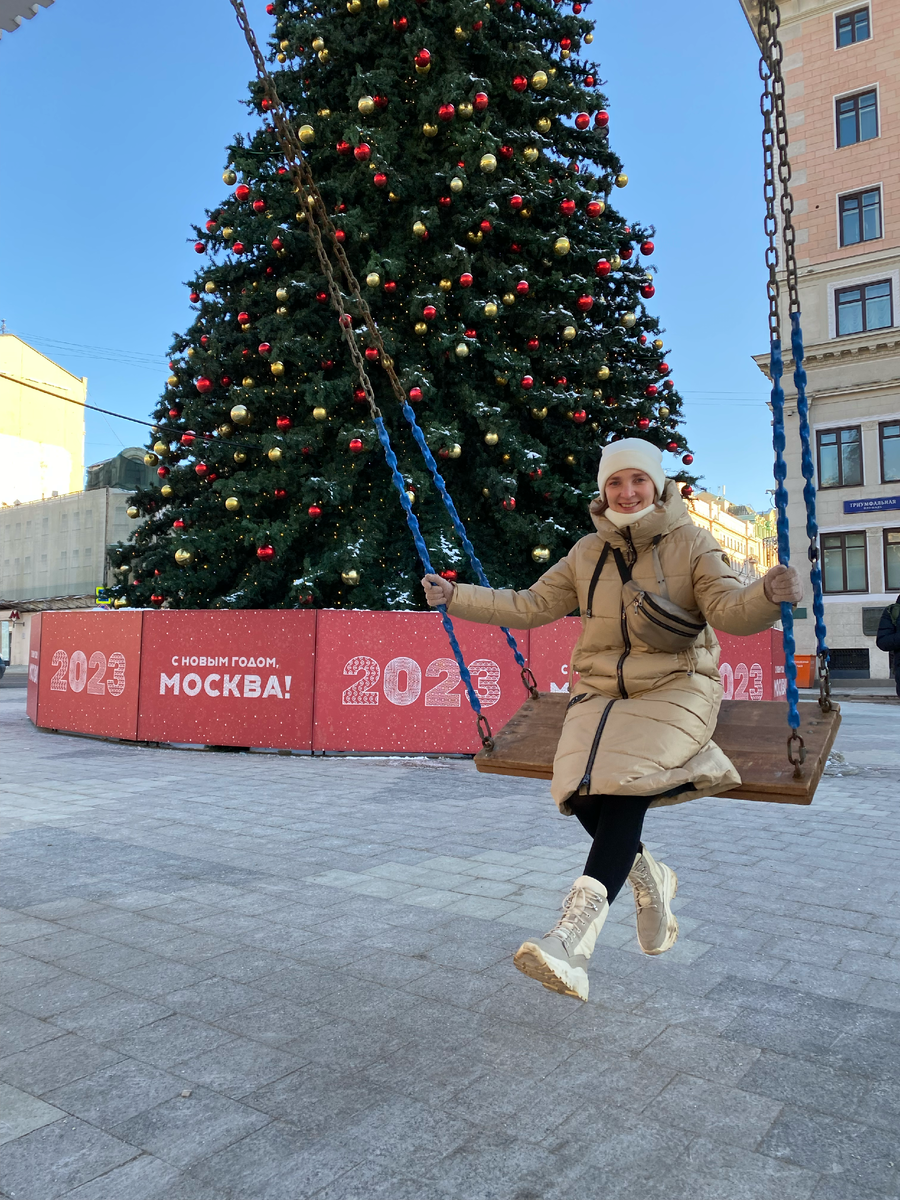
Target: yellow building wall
(41,433)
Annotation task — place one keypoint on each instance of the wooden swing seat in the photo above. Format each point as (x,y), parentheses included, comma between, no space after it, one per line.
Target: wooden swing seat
(752,733)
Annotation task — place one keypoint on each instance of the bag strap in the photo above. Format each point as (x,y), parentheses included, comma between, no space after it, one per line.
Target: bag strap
(622,565)
(598,570)
(657,566)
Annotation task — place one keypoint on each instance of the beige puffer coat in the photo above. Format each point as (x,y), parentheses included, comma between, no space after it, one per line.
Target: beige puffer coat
(640,720)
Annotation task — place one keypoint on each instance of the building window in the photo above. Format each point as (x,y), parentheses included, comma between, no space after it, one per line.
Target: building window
(892,560)
(860,309)
(840,458)
(852,27)
(844,562)
(857,118)
(860,215)
(889,438)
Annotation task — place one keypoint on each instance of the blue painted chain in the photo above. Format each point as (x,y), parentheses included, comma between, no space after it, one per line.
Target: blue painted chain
(484,729)
(463,536)
(809,497)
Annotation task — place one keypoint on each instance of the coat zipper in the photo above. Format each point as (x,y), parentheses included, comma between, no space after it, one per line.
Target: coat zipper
(623,623)
(586,780)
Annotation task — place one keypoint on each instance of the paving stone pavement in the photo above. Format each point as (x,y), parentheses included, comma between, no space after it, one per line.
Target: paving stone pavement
(257,977)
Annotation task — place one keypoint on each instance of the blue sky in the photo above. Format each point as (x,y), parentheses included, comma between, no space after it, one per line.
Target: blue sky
(116,117)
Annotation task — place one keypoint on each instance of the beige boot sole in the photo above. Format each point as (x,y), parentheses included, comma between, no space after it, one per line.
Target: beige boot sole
(555,976)
(670,891)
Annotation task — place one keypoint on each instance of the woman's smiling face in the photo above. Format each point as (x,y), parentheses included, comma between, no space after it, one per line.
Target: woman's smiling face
(630,491)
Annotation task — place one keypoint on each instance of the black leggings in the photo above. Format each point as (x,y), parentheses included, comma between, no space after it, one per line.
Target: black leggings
(615,823)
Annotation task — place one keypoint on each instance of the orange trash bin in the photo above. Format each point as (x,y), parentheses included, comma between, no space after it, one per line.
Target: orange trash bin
(805,664)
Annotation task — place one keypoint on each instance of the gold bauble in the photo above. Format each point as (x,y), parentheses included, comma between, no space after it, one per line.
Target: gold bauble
(320,413)
(491,439)
(240,414)
(663,412)
(540,554)
(229,177)
(284,44)
(539,80)
(460,34)
(615,262)
(209,287)
(183,557)
(509,299)
(322,56)
(539,413)
(457,184)
(172,381)
(475,239)
(488,163)
(240,457)
(282,294)
(161,449)
(307,134)
(227,232)
(627,319)
(281,311)
(274,455)
(621,180)
(365,104)
(569,333)
(506,458)
(245,325)
(150,460)
(503,380)
(445,285)
(419,229)
(166,492)
(530,154)
(455,451)
(281,56)
(383,4)
(386,361)
(232,504)
(424,69)
(411,497)
(191,352)
(132,511)
(485,492)
(373,279)
(248,381)
(543,125)
(561,246)
(318,44)
(571,460)
(121,602)
(564,54)
(658,344)
(430,130)
(551,71)
(462,350)
(351,577)
(354,6)
(225,430)
(588,37)
(277,368)
(420,327)
(490,309)
(466,111)
(603,373)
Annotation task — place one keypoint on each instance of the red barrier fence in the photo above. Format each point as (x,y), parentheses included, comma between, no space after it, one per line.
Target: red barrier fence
(372,682)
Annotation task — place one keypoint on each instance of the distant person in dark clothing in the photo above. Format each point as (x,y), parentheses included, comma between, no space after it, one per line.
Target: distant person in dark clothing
(888,636)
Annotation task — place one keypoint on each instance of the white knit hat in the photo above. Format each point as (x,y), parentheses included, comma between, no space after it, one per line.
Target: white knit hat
(632,453)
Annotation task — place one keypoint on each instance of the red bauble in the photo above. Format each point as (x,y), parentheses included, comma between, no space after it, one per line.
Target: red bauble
(415,394)
(157,600)
(465,280)
(174,413)
(280,493)
(476,25)
(340,236)
(534,343)
(238,247)
(644,423)
(204,385)
(481,100)
(242,192)
(188,437)
(687,459)
(346,321)
(671,447)
(449,575)
(265,553)
(527,382)
(245,353)
(668,385)
(647,247)
(423,58)
(576,9)
(536,474)
(582,120)
(265,104)
(443,452)
(225,380)
(322,297)
(265,348)
(516,247)
(356,445)
(506,152)
(277,243)
(651,389)
(199,247)
(283,423)
(390,287)
(401,24)
(561,380)
(429,312)
(379,179)
(344,148)
(194,297)
(687,490)
(445,201)
(381,102)
(204,340)
(520,83)
(372,354)
(510,504)
(567,208)
(363,152)
(626,252)
(663,369)
(579,417)
(522,287)
(202,469)
(306,451)
(471,333)
(603,268)
(179,524)
(359,395)
(593,208)
(643,339)
(588,79)
(601,119)
(585,303)
(259,206)
(516,202)
(314,510)
(565,43)
(647,290)
(270,9)
(243,318)
(446,112)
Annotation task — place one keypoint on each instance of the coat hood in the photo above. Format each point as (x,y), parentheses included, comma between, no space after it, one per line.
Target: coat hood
(668,513)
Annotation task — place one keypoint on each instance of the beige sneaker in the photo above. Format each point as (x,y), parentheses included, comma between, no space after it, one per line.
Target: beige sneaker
(654,886)
(559,959)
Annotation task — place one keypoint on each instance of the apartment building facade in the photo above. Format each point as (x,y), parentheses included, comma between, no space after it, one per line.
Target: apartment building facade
(842,86)
(745,536)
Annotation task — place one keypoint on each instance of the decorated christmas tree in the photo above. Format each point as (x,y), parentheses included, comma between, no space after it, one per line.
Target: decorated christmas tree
(462,149)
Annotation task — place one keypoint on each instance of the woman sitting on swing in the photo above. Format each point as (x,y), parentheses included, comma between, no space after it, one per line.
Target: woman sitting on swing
(638,727)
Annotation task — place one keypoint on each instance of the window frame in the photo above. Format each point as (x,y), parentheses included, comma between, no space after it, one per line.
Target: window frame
(855,95)
(833,487)
(861,287)
(859,193)
(843,534)
(888,586)
(881,428)
(852,12)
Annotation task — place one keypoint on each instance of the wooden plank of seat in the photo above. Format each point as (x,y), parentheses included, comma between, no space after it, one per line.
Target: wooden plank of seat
(752,733)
